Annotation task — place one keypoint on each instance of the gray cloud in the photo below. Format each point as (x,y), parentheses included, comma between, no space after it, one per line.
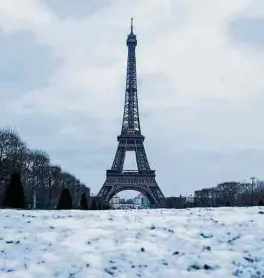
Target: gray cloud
(24,64)
(74,9)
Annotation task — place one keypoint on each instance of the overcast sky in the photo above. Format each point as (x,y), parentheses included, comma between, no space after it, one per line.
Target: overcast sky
(200,83)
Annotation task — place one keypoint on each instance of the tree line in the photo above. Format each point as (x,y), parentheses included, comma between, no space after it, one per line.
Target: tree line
(231,194)
(43,183)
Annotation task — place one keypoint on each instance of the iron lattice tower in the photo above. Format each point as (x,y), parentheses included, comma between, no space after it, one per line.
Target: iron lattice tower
(131,139)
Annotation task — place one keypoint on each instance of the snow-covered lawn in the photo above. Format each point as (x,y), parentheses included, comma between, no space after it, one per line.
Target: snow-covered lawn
(220,242)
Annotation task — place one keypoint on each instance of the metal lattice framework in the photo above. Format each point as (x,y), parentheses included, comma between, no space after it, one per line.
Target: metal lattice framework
(131,115)
(131,139)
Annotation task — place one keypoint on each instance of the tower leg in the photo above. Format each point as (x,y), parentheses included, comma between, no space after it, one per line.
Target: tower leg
(142,160)
(119,158)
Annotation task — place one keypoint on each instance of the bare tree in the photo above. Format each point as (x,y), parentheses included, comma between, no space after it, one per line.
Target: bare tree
(231,193)
(54,181)
(42,181)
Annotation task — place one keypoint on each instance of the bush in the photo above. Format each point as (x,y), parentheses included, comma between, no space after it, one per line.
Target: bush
(65,200)
(83,203)
(107,206)
(93,205)
(14,194)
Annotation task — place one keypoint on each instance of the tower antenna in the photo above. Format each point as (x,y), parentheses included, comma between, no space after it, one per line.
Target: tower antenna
(131,25)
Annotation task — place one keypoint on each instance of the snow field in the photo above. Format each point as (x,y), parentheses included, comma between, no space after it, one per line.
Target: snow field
(217,242)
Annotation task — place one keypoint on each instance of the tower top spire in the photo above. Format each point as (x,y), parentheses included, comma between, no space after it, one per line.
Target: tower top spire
(131,38)
(131,25)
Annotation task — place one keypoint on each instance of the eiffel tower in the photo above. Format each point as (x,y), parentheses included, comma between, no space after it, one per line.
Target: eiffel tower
(142,180)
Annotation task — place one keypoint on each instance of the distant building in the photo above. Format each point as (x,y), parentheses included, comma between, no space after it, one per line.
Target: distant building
(115,202)
(122,201)
(141,201)
(138,200)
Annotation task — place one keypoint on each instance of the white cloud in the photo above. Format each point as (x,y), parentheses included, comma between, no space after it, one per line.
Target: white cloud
(29,14)
(197,86)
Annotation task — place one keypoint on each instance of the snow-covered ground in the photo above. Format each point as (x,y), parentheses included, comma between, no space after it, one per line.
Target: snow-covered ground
(220,242)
